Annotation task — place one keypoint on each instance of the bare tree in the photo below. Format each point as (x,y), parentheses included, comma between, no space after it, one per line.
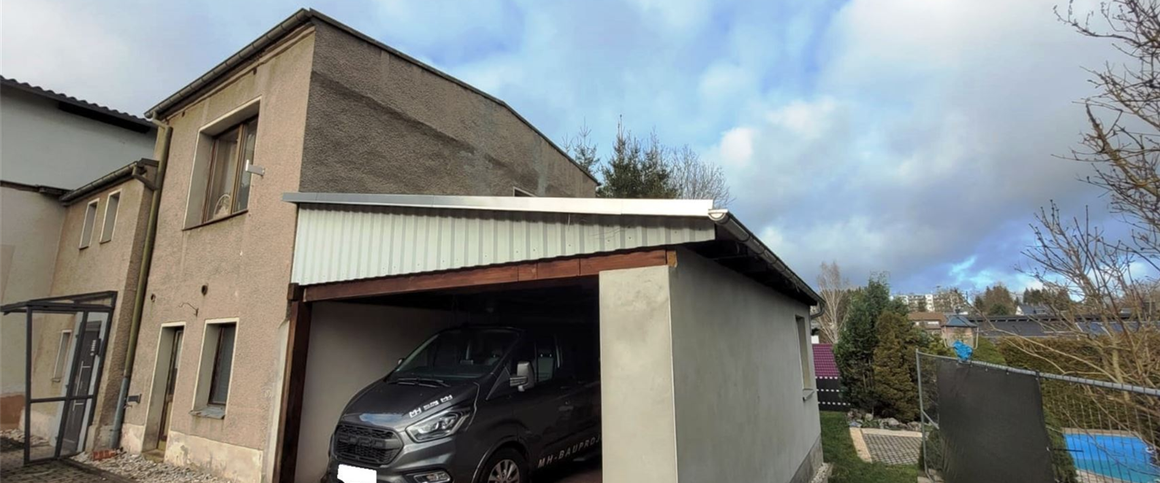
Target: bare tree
(1115,329)
(835,291)
(696,179)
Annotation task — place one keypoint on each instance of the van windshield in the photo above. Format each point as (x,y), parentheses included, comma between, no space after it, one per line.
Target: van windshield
(457,354)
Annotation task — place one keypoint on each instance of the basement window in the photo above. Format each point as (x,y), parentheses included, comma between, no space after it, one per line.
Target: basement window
(90,220)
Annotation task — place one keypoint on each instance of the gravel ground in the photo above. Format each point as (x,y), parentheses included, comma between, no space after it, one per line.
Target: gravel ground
(132,466)
(142,470)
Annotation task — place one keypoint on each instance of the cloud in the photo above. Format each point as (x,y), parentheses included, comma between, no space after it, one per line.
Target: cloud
(889,135)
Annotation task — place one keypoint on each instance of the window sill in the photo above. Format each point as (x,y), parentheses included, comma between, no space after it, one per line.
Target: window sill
(211,412)
(807,393)
(216,220)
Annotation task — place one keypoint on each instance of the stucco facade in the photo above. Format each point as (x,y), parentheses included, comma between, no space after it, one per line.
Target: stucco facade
(335,111)
(704,369)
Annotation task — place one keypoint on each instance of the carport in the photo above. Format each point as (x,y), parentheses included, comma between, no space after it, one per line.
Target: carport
(701,327)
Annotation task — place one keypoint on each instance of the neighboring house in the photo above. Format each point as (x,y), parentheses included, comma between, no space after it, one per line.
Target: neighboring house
(930,322)
(959,328)
(61,162)
(1033,309)
(828,379)
(312,105)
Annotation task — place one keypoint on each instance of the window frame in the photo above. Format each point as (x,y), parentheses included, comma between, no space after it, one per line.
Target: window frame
(217,360)
(805,355)
(239,170)
(522,193)
(208,361)
(62,355)
(88,225)
(107,231)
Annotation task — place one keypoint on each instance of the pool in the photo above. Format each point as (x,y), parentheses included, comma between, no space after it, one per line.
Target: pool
(1121,456)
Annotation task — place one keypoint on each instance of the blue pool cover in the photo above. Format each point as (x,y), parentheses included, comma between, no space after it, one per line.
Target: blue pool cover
(1123,457)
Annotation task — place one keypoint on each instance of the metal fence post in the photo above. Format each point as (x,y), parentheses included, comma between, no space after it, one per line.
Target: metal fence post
(921,410)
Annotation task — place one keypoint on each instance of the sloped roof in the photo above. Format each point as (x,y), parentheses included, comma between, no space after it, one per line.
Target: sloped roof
(959,321)
(127,120)
(824,363)
(923,316)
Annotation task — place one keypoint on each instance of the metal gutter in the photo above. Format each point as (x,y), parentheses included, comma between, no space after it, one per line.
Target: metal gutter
(592,206)
(120,174)
(142,281)
(743,235)
(301,17)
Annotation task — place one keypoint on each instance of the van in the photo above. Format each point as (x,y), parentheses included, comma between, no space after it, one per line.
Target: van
(480,404)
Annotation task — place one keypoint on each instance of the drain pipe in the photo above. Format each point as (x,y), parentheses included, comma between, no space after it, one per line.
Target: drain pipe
(142,280)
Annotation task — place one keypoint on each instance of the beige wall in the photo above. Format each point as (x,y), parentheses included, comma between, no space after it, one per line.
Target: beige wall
(709,362)
(106,266)
(380,124)
(243,262)
(375,336)
(27,219)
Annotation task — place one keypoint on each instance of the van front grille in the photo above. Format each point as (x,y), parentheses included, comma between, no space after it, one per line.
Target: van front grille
(361,444)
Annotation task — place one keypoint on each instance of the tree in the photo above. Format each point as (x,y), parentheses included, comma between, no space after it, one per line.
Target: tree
(854,351)
(996,300)
(1122,145)
(895,373)
(697,180)
(647,168)
(835,291)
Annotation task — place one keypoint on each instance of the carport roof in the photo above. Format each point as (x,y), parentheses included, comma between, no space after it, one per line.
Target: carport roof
(343,237)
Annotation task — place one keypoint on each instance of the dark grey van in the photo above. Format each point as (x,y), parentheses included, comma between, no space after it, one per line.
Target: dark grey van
(475,404)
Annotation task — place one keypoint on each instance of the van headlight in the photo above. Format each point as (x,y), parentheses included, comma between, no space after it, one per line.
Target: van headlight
(438,426)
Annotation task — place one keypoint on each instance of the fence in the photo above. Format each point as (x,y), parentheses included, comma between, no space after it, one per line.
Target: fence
(986,422)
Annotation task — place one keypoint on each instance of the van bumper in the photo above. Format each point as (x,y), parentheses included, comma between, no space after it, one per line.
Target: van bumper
(415,459)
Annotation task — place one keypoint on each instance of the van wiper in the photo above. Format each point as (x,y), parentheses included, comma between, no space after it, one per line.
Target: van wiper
(420,381)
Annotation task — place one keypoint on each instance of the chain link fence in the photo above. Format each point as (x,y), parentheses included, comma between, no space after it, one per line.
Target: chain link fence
(985,422)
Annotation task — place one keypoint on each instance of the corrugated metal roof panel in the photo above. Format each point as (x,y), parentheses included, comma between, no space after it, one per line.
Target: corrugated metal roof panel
(350,242)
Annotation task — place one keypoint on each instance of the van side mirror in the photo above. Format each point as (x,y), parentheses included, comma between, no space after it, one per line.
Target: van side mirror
(524,378)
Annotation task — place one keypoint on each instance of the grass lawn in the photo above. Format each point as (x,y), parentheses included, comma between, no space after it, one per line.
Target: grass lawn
(847,468)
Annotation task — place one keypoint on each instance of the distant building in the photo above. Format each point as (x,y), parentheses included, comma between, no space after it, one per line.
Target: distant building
(1033,309)
(930,322)
(917,302)
(959,328)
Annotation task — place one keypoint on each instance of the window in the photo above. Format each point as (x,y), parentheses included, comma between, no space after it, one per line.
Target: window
(110,216)
(545,362)
(223,360)
(61,355)
(805,352)
(214,373)
(90,220)
(228,187)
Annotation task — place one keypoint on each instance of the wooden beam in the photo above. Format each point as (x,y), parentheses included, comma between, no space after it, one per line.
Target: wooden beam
(583,266)
(293,387)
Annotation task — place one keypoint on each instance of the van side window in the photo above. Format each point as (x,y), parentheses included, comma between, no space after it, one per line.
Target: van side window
(579,352)
(545,357)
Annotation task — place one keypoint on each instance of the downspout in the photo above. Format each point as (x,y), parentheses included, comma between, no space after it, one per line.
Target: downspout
(142,280)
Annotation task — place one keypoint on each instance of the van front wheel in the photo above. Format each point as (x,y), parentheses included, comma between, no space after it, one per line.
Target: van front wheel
(505,466)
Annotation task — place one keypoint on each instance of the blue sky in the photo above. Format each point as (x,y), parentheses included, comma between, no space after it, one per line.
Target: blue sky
(916,138)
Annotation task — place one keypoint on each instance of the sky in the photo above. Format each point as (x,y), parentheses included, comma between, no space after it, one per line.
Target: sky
(912,138)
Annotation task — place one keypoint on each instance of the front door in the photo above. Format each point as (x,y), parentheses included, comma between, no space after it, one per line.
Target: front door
(170,382)
(87,349)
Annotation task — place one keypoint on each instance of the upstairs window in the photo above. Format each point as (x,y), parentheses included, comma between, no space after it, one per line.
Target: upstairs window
(110,216)
(228,187)
(90,220)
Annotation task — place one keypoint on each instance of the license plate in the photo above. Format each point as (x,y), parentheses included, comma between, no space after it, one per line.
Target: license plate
(354,474)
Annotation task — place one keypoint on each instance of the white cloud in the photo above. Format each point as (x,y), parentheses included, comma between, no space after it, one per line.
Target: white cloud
(736,148)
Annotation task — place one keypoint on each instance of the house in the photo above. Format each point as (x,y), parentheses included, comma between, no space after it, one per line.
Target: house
(828,379)
(311,105)
(1033,309)
(73,198)
(930,322)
